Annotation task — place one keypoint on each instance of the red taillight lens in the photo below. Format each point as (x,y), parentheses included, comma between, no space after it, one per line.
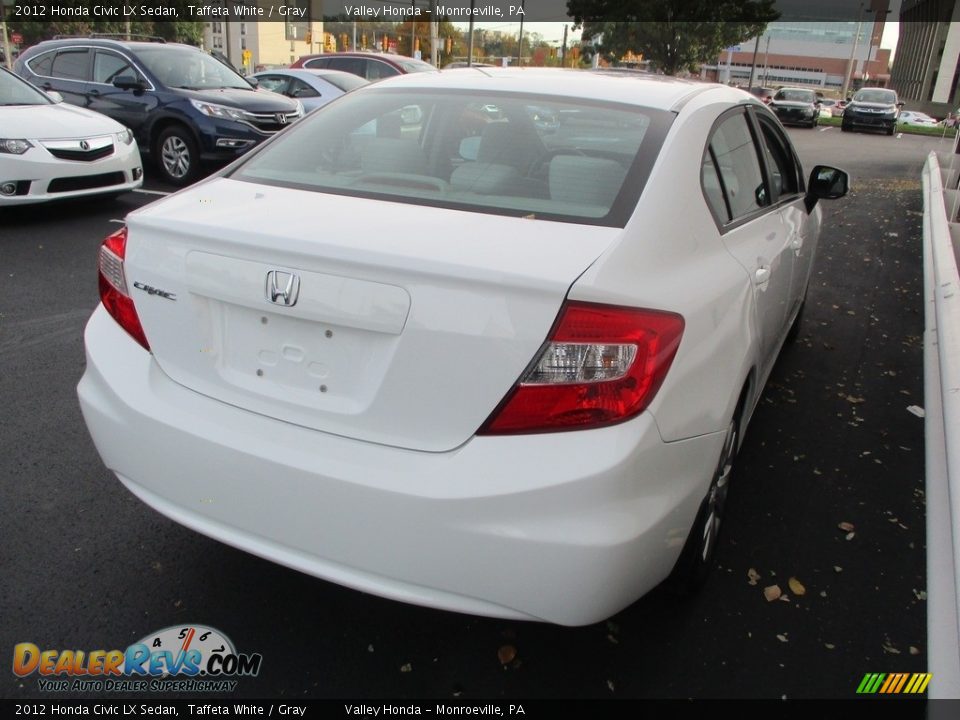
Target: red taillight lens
(601,365)
(113,286)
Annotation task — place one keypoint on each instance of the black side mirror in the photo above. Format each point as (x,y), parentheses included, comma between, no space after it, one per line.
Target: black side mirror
(254,82)
(900,104)
(826,183)
(128,82)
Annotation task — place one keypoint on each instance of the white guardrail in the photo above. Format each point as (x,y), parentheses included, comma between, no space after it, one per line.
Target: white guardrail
(941,364)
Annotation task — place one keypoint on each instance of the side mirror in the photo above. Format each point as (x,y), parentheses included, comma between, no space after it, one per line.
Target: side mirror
(128,82)
(55,96)
(900,104)
(826,183)
(254,82)
(849,99)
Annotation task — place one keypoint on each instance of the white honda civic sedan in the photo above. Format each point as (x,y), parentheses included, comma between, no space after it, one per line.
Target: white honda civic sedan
(458,360)
(50,150)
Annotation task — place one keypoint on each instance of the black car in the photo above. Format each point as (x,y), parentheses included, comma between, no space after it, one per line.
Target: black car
(184,106)
(796,106)
(872,108)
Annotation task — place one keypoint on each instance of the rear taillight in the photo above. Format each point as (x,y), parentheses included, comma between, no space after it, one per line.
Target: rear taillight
(113,286)
(601,365)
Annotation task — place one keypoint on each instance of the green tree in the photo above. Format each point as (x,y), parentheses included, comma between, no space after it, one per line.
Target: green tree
(675,35)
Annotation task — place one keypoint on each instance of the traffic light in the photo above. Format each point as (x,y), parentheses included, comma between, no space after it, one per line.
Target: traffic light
(308,38)
(385,43)
(363,41)
(448,45)
(344,41)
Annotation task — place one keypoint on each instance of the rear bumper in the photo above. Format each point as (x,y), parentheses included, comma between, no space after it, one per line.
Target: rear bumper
(567,528)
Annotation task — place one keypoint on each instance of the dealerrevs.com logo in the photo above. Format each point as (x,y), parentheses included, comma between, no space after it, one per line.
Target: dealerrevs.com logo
(183,658)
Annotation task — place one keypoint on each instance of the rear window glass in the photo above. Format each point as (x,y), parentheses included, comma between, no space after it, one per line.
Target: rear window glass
(507,153)
(795,96)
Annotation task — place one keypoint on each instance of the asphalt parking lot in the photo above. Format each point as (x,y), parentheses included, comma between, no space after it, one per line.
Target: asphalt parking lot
(827,503)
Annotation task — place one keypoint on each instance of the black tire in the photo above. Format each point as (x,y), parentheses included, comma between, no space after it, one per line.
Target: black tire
(844,128)
(176,156)
(794,332)
(892,130)
(696,558)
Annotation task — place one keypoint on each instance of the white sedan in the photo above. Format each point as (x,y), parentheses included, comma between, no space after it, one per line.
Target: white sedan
(50,150)
(916,119)
(507,374)
(313,88)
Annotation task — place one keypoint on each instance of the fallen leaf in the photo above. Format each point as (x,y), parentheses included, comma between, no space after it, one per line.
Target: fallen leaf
(772,592)
(782,638)
(914,650)
(753,576)
(406,667)
(855,400)
(916,410)
(849,536)
(370,648)
(846,526)
(506,654)
(829,646)
(610,685)
(888,648)
(837,568)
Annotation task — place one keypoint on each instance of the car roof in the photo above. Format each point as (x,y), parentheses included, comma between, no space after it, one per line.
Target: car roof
(652,91)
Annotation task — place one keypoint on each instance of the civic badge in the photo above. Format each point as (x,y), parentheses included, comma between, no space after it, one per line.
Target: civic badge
(282,288)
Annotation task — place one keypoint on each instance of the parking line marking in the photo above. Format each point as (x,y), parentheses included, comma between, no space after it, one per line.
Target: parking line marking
(150,192)
(824,129)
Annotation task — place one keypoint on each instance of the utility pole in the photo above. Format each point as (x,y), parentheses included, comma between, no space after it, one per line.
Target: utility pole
(470,39)
(413,28)
(766,67)
(563,50)
(520,44)
(753,66)
(848,76)
(434,35)
(7,54)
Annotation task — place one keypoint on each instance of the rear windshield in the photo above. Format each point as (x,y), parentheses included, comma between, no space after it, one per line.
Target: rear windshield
(510,154)
(795,96)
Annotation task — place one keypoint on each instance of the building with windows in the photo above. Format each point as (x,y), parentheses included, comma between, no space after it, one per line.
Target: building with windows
(830,56)
(252,44)
(927,66)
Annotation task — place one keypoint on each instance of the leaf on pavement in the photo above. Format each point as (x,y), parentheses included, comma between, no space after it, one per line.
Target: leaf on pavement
(753,576)
(796,587)
(506,654)
(772,592)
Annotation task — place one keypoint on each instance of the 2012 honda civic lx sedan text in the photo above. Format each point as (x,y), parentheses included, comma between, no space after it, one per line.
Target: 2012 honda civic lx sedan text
(456,359)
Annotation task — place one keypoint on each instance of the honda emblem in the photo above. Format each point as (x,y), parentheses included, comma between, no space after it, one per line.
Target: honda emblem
(283,288)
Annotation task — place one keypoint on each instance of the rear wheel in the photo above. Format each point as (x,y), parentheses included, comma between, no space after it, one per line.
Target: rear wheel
(695,561)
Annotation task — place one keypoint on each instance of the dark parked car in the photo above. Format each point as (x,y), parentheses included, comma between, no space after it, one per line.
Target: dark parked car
(371,66)
(184,106)
(761,93)
(796,106)
(872,108)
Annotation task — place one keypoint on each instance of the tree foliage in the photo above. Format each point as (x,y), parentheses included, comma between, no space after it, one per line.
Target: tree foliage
(675,35)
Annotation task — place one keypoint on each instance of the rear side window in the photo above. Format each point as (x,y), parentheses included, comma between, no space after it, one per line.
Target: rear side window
(375,70)
(42,64)
(737,167)
(317,63)
(503,153)
(71,64)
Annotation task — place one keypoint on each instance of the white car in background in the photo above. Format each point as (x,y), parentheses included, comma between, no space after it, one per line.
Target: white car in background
(50,150)
(509,373)
(313,88)
(916,119)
